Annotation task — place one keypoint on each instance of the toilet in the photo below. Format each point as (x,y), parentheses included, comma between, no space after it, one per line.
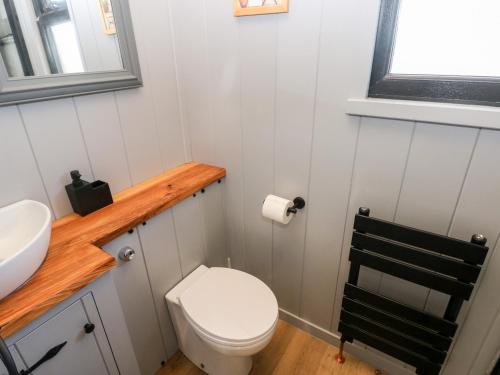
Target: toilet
(222,317)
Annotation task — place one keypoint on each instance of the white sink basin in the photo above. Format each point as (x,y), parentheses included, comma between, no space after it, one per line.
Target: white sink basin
(24,240)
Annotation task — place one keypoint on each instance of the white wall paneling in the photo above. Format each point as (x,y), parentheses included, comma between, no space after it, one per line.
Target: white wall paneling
(257,51)
(58,146)
(190,40)
(100,123)
(188,220)
(298,41)
(342,65)
(18,168)
(213,224)
(224,68)
(154,38)
(141,142)
(437,166)
(141,114)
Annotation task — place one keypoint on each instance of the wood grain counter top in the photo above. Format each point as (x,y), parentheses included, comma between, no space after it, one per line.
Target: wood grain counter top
(74,258)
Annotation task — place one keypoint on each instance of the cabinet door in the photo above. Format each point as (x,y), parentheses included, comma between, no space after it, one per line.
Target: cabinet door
(134,291)
(84,354)
(162,261)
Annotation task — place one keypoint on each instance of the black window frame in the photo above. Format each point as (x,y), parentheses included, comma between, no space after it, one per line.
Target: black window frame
(430,88)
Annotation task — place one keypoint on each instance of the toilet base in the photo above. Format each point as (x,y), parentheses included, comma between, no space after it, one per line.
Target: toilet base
(209,360)
(225,366)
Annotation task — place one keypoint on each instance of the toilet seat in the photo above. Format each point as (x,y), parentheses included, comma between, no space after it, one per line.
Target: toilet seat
(230,308)
(231,343)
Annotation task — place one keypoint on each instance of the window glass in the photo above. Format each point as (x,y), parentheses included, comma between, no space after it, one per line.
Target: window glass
(447,37)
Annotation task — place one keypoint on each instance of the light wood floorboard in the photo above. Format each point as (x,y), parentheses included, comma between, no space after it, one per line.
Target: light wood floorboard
(291,352)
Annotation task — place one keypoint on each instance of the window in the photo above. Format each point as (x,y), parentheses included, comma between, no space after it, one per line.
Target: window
(438,50)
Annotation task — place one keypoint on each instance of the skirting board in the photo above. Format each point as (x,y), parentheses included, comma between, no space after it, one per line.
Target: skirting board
(371,356)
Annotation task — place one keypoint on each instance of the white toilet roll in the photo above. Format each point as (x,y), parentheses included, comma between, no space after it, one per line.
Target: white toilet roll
(276,208)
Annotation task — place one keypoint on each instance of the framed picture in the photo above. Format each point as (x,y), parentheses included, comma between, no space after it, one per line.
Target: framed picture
(256,7)
(107,16)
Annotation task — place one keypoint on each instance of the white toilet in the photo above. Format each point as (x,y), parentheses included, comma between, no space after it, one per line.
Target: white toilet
(222,317)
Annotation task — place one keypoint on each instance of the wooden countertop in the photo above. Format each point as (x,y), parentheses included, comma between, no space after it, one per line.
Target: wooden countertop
(74,258)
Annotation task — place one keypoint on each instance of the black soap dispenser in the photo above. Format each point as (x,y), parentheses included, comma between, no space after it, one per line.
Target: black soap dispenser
(86,197)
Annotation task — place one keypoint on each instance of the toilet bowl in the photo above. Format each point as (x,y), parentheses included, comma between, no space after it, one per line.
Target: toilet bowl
(222,317)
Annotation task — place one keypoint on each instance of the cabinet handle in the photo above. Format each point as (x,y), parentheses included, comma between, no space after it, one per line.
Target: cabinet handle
(47,357)
(89,328)
(126,254)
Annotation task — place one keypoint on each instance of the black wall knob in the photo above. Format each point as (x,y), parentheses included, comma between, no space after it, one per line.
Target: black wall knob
(299,203)
(364,211)
(89,328)
(479,239)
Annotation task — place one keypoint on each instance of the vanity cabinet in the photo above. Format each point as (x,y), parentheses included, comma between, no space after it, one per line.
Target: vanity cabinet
(125,300)
(102,348)
(87,351)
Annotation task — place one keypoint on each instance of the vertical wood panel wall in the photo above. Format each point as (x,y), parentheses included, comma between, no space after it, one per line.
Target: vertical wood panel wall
(264,96)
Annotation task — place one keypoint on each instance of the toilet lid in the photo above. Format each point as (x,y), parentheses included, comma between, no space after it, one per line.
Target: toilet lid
(230,305)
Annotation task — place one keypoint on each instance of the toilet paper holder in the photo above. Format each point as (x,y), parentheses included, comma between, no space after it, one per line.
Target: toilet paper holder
(298,204)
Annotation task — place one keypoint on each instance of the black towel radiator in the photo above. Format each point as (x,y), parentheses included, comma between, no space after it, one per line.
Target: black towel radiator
(441,263)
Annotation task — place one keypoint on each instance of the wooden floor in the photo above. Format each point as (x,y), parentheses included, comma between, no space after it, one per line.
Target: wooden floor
(291,351)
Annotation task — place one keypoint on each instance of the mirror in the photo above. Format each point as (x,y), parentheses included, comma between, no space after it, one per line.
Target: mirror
(54,48)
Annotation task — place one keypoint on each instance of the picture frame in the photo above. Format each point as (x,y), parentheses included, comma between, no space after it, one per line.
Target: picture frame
(107,16)
(259,7)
